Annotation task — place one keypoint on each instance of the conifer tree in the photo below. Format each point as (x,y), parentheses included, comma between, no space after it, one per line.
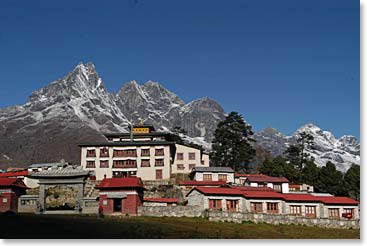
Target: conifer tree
(232,143)
(352,180)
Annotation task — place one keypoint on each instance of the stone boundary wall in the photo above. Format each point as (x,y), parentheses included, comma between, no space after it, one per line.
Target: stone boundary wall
(282,219)
(171,211)
(27,204)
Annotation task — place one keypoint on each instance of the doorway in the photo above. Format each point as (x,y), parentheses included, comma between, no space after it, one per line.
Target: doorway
(117,205)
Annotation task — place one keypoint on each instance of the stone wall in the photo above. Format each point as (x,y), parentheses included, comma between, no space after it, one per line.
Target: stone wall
(171,211)
(282,219)
(27,204)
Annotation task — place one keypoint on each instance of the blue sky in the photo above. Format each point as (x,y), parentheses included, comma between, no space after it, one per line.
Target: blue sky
(279,63)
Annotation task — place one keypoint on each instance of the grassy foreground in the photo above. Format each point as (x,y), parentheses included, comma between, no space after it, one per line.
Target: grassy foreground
(72,226)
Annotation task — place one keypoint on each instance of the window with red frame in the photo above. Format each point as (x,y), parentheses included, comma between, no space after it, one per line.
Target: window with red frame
(103,152)
(91,164)
(91,153)
(334,213)
(232,205)
(310,211)
(295,209)
(103,164)
(207,177)
(180,156)
(159,152)
(272,207)
(256,207)
(222,177)
(215,204)
(145,152)
(159,163)
(180,167)
(191,166)
(192,156)
(145,163)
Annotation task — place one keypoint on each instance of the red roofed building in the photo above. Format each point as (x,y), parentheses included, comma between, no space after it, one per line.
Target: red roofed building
(120,195)
(249,199)
(279,184)
(10,190)
(188,185)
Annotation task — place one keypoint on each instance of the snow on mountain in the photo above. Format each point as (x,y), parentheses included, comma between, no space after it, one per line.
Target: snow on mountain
(343,152)
(78,108)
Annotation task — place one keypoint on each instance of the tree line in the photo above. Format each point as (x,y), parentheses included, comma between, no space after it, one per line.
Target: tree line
(233,146)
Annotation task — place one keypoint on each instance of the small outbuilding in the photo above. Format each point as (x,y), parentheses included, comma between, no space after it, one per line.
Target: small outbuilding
(120,195)
(10,190)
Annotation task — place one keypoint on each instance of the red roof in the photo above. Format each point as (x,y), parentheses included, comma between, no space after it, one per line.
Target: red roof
(13,174)
(161,200)
(129,182)
(301,197)
(296,186)
(337,200)
(12,182)
(249,175)
(201,183)
(218,191)
(267,179)
(251,188)
(262,194)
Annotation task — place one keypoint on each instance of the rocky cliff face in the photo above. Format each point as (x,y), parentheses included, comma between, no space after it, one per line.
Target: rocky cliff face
(343,152)
(78,108)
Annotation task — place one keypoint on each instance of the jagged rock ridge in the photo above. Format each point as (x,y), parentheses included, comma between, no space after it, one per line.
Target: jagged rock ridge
(78,108)
(343,152)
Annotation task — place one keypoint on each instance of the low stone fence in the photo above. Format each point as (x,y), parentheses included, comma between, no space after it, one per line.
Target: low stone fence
(90,205)
(27,204)
(171,211)
(282,219)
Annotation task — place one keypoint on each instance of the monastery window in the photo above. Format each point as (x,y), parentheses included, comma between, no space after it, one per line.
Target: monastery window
(5,200)
(103,164)
(180,167)
(348,211)
(90,164)
(180,156)
(272,207)
(159,152)
(124,163)
(191,166)
(103,152)
(334,213)
(277,187)
(91,153)
(202,163)
(192,156)
(145,163)
(310,211)
(158,174)
(215,204)
(256,207)
(222,177)
(159,163)
(145,152)
(295,209)
(207,177)
(232,205)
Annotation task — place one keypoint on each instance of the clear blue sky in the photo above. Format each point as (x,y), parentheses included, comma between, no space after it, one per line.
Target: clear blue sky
(279,63)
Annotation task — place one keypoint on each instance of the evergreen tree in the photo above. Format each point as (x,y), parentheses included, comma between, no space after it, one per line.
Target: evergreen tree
(231,143)
(331,180)
(279,167)
(352,180)
(296,153)
(310,173)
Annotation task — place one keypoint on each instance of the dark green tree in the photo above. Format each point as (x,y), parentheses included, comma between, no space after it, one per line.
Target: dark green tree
(232,143)
(352,180)
(279,167)
(310,173)
(331,180)
(296,153)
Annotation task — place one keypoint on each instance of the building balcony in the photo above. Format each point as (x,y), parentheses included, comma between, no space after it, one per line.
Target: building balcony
(124,166)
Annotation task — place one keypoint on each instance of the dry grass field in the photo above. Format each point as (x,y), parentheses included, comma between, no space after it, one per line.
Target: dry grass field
(72,226)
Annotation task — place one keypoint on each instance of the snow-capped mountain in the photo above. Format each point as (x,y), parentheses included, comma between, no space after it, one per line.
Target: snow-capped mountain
(78,108)
(343,152)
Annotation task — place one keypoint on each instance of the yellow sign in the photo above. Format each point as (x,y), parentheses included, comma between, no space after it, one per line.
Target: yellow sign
(141,130)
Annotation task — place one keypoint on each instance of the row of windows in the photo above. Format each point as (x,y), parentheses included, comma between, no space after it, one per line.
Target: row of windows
(209,177)
(231,205)
(125,163)
(123,153)
(180,156)
(182,167)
